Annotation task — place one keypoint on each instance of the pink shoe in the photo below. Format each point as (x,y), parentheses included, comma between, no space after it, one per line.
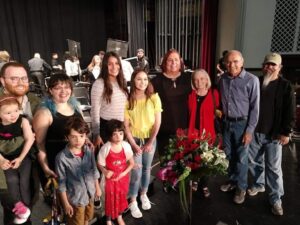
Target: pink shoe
(21,213)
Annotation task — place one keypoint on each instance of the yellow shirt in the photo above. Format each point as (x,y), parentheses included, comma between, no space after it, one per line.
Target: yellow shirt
(142,116)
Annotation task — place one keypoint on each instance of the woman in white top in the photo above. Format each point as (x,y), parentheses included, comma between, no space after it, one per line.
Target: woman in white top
(108,97)
(72,67)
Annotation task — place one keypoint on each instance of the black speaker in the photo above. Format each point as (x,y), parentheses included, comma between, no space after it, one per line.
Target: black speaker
(117,46)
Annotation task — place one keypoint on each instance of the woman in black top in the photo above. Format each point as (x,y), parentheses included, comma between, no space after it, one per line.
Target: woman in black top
(49,121)
(173,86)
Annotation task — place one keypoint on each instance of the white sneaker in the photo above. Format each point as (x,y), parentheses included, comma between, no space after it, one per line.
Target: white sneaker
(134,210)
(146,205)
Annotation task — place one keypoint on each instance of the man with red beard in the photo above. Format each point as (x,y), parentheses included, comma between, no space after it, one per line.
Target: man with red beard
(14,80)
(275,123)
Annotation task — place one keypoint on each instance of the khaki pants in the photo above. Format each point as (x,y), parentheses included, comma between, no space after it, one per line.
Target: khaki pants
(81,214)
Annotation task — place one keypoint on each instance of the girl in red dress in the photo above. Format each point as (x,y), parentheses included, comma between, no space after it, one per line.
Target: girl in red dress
(115,160)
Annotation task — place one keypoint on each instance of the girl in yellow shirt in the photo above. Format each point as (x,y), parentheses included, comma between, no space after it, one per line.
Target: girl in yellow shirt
(142,122)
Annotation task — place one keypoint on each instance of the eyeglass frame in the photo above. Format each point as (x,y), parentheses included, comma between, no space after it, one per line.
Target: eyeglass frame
(16,80)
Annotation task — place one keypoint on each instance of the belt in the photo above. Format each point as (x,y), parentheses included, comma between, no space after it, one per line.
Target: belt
(235,119)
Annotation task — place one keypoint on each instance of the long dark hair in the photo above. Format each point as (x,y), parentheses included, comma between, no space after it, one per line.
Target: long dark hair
(148,92)
(107,93)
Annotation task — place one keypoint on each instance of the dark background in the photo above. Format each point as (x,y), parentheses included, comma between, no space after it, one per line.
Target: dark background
(29,26)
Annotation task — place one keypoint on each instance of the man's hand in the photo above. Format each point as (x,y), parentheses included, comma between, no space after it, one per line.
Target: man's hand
(283,140)
(247,138)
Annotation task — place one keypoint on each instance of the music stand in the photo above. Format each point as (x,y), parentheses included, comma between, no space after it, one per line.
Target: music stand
(74,48)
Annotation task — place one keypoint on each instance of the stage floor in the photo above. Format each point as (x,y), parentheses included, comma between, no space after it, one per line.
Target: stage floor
(219,209)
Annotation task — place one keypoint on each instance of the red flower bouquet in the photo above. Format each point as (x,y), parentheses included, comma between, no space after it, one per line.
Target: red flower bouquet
(188,157)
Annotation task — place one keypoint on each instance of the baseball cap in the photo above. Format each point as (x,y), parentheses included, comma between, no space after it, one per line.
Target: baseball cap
(273,58)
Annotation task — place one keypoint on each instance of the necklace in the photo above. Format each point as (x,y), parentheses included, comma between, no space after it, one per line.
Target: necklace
(173,78)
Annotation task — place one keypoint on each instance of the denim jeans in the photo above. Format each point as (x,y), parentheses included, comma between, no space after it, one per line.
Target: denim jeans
(140,174)
(236,152)
(265,156)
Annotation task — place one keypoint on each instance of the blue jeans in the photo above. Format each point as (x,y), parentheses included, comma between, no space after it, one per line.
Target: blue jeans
(140,174)
(265,156)
(236,152)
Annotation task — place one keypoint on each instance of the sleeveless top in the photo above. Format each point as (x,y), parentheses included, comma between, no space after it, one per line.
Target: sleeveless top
(55,138)
(11,139)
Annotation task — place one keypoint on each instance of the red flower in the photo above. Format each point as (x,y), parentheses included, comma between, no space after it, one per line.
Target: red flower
(180,133)
(193,135)
(197,158)
(193,165)
(178,155)
(181,144)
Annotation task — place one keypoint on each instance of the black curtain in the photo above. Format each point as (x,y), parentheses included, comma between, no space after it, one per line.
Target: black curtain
(29,26)
(137,33)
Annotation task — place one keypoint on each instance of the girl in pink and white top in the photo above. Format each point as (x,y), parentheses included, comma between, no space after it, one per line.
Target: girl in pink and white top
(108,97)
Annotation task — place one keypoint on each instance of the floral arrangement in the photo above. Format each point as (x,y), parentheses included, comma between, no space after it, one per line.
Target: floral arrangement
(188,157)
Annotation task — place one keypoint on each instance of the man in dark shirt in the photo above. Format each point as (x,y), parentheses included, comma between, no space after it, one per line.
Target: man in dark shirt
(142,60)
(272,132)
(37,67)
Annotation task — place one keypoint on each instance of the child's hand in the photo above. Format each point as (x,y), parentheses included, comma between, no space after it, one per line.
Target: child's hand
(5,164)
(98,193)
(119,176)
(109,174)
(15,164)
(137,150)
(68,210)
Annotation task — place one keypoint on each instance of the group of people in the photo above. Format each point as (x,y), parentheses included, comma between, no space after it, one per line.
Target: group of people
(258,117)
(127,128)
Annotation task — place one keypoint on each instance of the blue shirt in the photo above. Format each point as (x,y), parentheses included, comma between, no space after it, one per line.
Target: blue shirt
(77,176)
(240,97)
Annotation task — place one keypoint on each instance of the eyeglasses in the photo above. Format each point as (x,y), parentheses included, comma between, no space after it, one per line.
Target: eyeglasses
(16,80)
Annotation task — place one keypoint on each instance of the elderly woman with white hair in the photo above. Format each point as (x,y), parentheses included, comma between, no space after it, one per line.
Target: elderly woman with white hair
(202,103)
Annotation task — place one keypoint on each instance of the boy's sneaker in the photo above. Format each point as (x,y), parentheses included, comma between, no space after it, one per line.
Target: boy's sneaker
(227,187)
(255,190)
(21,213)
(134,210)
(277,209)
(146,205)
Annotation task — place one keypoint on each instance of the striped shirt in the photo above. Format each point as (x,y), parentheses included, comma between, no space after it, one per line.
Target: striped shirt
(107,111)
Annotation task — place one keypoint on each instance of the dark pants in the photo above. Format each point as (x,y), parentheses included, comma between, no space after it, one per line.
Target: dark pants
(18,188)
(103,130)
(39,79)
(6,198)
